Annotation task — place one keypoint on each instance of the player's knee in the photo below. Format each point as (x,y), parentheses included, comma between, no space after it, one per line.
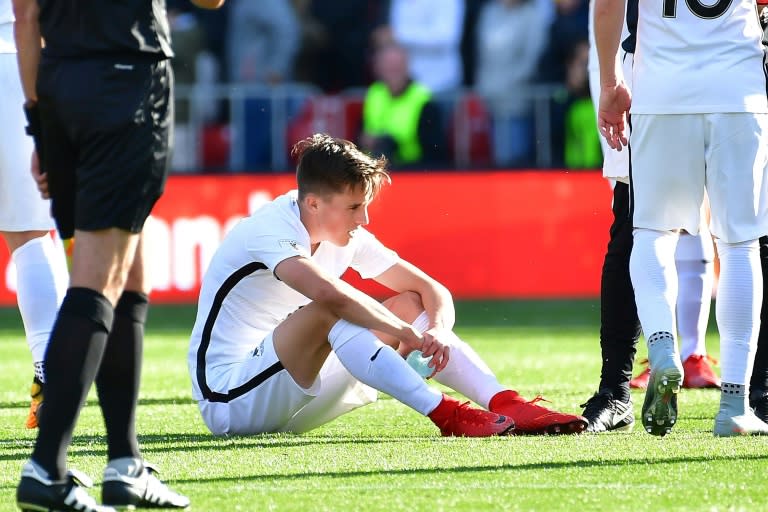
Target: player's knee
(322,315)
(405,305)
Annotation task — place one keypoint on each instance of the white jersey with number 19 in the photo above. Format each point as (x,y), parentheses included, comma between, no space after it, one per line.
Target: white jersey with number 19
(693,58)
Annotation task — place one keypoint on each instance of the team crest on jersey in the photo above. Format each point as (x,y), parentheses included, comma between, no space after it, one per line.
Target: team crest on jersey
(258,351)
(293,244)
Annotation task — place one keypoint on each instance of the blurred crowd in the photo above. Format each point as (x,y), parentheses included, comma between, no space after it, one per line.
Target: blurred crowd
(429,83)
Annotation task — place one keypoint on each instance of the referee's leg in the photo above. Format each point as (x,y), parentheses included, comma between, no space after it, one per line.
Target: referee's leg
(611,407)
(78,341)
(758,384)
(619,324)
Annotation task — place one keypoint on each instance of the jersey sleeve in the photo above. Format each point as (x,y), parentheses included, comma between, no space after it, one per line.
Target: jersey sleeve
(371,257)
(277,243)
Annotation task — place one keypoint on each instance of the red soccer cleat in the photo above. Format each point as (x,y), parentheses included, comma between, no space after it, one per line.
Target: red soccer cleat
(534,419)
(462,420)
(698,372)
(641,381)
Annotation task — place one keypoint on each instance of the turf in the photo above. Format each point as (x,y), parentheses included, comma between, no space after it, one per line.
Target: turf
(386,457)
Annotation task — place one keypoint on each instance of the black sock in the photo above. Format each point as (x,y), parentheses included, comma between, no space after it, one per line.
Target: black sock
(619,325)
(72,359)
(759,378)
(118,380)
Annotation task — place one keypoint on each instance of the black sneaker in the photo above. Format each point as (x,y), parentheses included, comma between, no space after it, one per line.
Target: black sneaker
(37,493)
(758,401)
(130,482)
(604,413)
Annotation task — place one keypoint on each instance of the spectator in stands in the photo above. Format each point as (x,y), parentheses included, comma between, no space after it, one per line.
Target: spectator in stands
(575,139)
(399,119)
(469,40)
(188,40)
(263,38)
(510,39)
(430,31)
(313,44)
(582,139)
(262,42)
(337,41)
(569,26)
(216,27)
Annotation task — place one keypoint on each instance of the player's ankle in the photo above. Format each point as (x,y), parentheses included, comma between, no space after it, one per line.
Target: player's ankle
(444,409)
(504,397)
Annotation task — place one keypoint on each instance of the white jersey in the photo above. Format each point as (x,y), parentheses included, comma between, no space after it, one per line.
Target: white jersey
(694,58)
(241,300)
(7,43)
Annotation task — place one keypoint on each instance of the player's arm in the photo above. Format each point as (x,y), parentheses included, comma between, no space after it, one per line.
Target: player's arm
(208,4)
(609,17)
(344,300)
(614,95)
(437,300)
(26,32)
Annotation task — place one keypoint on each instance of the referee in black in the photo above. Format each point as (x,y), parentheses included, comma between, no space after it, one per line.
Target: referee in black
(99,101)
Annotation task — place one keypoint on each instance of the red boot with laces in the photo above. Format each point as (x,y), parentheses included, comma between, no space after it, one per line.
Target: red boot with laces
(533,419)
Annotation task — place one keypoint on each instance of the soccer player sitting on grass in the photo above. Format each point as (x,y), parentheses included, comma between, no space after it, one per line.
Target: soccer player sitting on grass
(282,344)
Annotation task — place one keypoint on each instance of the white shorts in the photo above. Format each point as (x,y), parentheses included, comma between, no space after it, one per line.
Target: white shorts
(675,157)
(21,207)
(615,163)
(279,404)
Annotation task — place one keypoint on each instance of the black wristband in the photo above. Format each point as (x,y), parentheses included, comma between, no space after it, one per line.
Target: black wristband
(33,120)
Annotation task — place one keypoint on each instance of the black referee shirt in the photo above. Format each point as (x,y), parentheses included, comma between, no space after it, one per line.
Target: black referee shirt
(80,28)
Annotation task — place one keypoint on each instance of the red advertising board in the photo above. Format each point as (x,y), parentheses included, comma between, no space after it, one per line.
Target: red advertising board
(483,234)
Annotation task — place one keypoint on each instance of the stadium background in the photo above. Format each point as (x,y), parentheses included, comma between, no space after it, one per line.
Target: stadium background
(485,234)
(487,226)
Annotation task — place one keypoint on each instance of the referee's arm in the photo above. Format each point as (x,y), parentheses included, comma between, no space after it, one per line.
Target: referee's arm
(26,33)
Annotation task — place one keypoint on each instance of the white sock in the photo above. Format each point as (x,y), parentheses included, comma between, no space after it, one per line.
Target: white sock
(739,300)
(466,372)
(695,275)
(654,278)
(378,365)
(41,281)
(733,399)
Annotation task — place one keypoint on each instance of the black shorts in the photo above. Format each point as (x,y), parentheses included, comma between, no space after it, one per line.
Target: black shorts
(106,129)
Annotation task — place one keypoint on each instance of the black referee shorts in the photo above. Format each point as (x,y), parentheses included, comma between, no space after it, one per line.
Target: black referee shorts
(106,129)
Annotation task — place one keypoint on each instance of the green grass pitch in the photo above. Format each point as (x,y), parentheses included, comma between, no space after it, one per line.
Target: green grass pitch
(385,457)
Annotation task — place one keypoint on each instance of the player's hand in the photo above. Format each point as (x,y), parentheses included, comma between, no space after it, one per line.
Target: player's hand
(40,178)
(612,114)
(439,350)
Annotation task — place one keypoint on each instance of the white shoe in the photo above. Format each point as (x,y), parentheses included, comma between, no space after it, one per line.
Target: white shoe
(746,424)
